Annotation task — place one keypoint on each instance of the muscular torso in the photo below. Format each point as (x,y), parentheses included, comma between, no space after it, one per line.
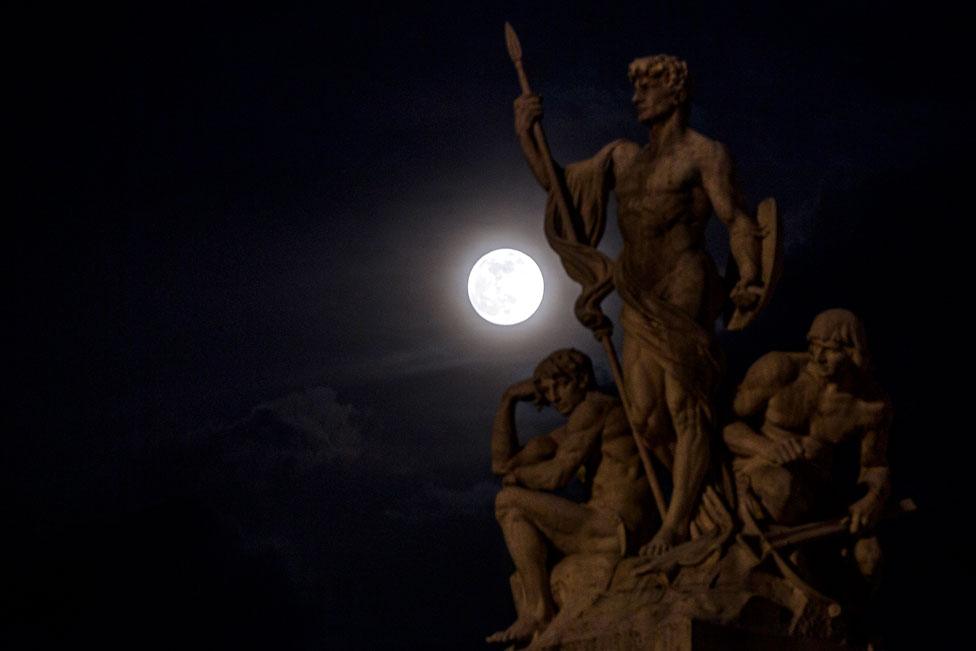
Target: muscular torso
(808,406)
(662,212)
(618,481)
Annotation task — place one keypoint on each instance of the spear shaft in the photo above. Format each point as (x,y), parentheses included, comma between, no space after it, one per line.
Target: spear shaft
(515,52)
(558,191)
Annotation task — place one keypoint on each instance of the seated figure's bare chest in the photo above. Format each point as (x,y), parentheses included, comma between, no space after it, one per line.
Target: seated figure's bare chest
(810,407)
(840,415)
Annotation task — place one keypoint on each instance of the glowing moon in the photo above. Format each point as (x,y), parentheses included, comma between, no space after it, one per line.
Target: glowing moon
(505,287)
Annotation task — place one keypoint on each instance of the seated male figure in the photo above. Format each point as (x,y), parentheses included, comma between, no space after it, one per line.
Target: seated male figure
(619,510)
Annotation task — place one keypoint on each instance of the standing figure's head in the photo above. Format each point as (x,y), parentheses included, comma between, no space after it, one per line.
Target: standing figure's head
(837,343)
(563,378)
(661,87)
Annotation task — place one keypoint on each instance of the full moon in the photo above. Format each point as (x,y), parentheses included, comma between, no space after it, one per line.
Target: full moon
(505,287)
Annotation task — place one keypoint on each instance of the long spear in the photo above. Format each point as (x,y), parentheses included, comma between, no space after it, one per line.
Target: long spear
(558,191)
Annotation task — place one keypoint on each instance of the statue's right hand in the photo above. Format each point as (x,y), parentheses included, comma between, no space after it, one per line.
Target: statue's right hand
(785,451)
(746,295)
(812,448)
(528,110)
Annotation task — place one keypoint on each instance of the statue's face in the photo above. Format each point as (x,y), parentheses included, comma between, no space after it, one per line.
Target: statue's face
(652,99)
(830,359)
(563,392)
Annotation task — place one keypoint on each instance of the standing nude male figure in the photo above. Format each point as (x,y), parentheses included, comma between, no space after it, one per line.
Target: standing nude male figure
(595,435)
(672,292)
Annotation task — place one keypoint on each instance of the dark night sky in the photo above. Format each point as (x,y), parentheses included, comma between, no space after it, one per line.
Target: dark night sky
(252,403)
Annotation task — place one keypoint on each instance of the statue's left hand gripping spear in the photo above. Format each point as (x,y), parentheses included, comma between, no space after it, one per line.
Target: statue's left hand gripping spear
(555,184)
(560,193)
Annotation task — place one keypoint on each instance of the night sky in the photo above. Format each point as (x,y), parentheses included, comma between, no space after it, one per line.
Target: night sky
(251,401)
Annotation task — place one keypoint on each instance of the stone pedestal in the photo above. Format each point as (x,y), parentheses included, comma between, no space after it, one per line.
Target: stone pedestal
(691,635)
(695,609)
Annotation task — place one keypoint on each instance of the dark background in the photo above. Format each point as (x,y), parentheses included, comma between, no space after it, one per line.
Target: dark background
(251,402)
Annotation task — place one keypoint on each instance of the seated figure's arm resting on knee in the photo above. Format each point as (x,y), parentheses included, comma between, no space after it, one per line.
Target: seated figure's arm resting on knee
(539,449)
(764,379)
(743,441)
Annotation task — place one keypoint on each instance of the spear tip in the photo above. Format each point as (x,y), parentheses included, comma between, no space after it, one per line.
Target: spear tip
(512,41)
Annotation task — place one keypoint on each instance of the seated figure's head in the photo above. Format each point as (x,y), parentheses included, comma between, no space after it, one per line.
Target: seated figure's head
(837,343)
(563,378)
(661,85)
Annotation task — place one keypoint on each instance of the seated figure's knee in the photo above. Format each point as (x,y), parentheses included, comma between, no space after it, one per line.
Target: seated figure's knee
(781,494)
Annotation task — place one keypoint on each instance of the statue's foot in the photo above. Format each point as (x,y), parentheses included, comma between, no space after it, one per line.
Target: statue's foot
(521,631)
(663,541)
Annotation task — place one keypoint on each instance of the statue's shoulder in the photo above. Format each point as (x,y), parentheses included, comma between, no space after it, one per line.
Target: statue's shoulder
(593,410)
(606,402)
(623,147)
(706,151)
(622,152)
(775,369)
(615,156)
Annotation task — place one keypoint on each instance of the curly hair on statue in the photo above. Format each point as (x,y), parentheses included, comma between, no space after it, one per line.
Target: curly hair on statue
(565,362)
(670,71)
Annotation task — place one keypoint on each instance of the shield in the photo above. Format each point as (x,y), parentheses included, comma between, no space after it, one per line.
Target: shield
(772,263)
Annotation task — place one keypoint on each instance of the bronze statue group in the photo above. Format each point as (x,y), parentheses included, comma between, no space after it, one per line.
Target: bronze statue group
(688,511)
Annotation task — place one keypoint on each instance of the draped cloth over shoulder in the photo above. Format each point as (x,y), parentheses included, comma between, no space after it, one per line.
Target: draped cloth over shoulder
(684,349)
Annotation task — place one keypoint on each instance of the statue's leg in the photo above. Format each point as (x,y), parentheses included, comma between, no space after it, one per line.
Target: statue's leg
(868,556)
(528,550)
(691,286)
(650,418)
(869,559)
(571,528)
(531,520)
(691,454)
(691,458)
